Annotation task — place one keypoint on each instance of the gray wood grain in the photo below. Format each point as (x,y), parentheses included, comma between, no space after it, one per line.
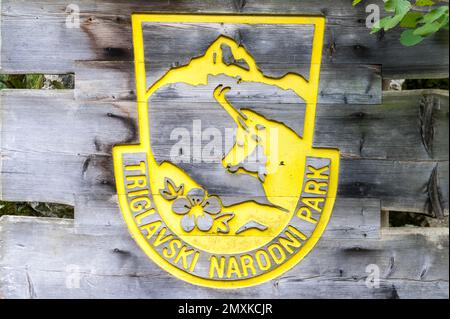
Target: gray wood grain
(413,263)
(351,218)
(276,49)
(54,148)
(114,81)
(389,131)
(105,34)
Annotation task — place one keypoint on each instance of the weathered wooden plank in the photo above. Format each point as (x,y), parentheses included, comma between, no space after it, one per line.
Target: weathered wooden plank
(114,81)
(1,41)
(104,34)
(54,147)
(277,50)
(36,262)
(401,186)
(351,218)
(389,131)
(392,130)
(72,155)
(49,285)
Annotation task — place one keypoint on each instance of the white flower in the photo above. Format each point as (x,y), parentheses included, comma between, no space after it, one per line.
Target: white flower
(198,209)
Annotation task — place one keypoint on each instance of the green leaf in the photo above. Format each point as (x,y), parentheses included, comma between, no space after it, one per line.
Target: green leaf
(375,30)
(393,22)
(410,20)
(390,5)
(445,26)
(443,22)
(424,3)
(383,22)
(427,29)
(400,8)
(403,7)
(388,23)
(434,14)
(397,6)
(408,38)
(420,24)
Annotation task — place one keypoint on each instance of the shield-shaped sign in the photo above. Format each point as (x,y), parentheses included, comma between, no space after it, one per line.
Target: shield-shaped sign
(225,189)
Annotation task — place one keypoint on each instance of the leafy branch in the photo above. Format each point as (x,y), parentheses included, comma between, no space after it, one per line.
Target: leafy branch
(418,25)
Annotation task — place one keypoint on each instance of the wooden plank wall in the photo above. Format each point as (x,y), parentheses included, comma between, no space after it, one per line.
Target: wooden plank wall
(105,34)
(55,146)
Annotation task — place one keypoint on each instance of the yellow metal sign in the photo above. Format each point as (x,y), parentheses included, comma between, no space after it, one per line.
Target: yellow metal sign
(195,234)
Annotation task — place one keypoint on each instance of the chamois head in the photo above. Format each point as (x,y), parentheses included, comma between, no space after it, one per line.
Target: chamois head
(248,152)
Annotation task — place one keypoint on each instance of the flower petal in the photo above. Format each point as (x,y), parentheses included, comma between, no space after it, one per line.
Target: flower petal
(181,206)
(188,223)
(213,205)
(196,196)
(205,222)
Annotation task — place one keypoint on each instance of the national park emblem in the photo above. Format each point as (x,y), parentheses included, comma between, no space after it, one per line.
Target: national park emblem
(225,189)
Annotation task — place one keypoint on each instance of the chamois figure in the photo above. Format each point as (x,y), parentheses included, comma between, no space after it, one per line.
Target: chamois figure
(256,161)
(265,149)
